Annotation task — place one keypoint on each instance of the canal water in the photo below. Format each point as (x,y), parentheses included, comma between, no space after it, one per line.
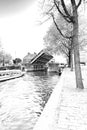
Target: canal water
(22,100)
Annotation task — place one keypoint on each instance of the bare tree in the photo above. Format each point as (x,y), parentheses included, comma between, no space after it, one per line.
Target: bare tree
(56,43)
(57,7)
(5,58)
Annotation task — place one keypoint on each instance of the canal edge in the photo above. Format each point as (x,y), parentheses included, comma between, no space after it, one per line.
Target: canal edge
(48,116)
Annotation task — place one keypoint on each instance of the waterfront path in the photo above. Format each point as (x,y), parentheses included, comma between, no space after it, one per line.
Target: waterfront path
(67,106)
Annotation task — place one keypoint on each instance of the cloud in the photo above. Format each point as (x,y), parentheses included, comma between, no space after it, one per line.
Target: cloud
(12,6)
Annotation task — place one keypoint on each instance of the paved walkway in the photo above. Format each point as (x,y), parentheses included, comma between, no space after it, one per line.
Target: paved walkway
(70,112)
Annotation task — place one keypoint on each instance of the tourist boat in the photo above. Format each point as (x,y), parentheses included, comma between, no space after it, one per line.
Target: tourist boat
(10,74)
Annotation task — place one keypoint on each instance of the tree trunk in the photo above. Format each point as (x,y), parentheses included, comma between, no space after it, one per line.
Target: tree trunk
(3,61)
(71,54)
(79,83)
(69,59)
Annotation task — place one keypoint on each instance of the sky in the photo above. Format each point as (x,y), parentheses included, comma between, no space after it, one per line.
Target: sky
(19,31)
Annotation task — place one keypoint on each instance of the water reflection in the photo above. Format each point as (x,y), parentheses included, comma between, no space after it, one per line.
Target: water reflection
(22,100)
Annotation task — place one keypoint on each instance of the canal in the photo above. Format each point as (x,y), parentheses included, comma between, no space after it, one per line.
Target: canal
(22,100)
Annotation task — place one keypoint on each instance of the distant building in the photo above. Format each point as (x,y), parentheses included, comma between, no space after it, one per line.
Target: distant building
(27,58)
(83,56)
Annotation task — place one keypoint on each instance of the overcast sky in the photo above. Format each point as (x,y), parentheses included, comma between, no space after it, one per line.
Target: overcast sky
(19,32)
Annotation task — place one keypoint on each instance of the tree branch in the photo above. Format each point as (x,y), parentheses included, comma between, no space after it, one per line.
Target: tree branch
(40,23)
(59,8)
(43,3)
(62,42)
(51,9)
(73,2)
(65,52)
(58,28)
(63,15)
(65,9)
(65,46)
(79,3)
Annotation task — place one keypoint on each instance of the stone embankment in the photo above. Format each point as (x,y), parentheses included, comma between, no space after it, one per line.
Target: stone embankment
(67,106)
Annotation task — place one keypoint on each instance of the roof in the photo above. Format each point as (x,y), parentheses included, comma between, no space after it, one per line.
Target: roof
(41,58)
(28,57)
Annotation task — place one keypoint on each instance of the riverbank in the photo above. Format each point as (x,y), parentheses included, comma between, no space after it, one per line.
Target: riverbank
(67,106)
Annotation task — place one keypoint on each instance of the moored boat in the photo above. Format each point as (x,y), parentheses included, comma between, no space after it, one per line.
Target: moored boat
(10,74)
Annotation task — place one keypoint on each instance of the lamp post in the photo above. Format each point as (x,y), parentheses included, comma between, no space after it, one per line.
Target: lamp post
(3,60)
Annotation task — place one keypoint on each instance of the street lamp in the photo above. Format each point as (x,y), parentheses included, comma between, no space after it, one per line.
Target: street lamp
(3,60)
